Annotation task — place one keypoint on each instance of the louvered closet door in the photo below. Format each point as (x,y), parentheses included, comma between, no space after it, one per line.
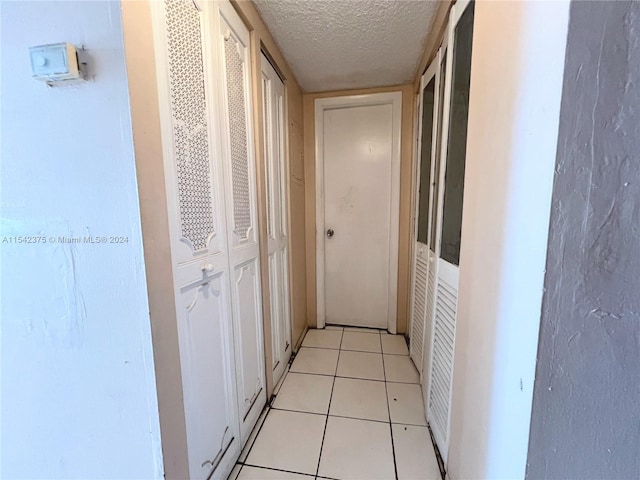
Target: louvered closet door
(449,228)
(277,225)
(195,203)
(240,182)
(419,321)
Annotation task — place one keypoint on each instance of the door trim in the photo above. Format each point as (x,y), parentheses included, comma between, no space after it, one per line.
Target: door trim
(321,105)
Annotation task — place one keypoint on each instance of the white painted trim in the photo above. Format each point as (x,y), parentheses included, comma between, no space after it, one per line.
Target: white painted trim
(321,104)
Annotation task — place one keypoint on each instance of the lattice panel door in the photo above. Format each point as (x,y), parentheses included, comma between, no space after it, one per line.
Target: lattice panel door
(191,140)
(236,82)
(236,122)
(193,167)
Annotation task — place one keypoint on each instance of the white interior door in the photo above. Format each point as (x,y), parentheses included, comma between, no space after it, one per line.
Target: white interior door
(242,232)
(277,218)
(358,169)
(451,195)
(197,221)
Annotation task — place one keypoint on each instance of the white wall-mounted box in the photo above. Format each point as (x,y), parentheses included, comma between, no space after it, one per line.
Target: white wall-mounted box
(55,63)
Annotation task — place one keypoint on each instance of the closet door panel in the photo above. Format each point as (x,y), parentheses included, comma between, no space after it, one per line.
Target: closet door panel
(193,177)
(277,216)
(196,212)
(237,120)
(419,322)
(275,312)
(282,193)
(210,410)
(247,306)
(451,180)
(241,205)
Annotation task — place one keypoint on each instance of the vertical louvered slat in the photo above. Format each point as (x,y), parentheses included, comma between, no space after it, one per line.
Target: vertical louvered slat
(442,361)
(418,311)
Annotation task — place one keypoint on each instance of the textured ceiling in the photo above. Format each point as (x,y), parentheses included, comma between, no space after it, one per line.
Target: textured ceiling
(342,44)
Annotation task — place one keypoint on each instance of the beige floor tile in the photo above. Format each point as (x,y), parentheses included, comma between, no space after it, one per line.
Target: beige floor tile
(278,385)
(363,330)
(394,345)
(253,435)
(333,327)
(322,338)
(398,368)
(357,449)
(367,366)
(406,404)
(315,360)
(415,457)
(256,473)
(305,393)
(361,342)
(289,441)
(365,399)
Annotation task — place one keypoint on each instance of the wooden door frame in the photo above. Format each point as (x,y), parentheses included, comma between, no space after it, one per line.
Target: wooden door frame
(329,103)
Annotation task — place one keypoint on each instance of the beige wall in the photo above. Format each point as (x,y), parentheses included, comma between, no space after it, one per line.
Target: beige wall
(262,39)
(145,118)
(406,173)
(511,151)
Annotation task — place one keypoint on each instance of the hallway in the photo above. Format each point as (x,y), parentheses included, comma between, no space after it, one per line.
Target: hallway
(350,407)
(203,190)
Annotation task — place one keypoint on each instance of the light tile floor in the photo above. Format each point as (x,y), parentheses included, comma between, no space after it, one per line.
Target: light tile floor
(349,408)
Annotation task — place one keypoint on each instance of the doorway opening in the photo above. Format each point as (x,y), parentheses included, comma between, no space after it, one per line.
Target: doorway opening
(357,209)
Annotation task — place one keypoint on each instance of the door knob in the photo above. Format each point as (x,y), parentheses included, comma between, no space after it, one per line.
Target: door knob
(207,268)
(330,232)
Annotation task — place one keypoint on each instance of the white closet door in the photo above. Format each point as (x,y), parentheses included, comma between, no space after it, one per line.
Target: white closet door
(430,390)
(420,323)
(277,225)
(195,202)
(451,197)
(240,185)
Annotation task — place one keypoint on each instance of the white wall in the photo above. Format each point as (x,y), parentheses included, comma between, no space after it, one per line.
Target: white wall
(78,384)
(516,83)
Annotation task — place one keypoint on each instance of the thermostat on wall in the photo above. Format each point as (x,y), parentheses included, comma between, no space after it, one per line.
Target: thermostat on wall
(56,63)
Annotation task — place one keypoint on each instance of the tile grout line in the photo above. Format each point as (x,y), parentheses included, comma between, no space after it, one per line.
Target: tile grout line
(326,421)
(268,408)
(279,409)
(406,424)
(357,351)
(278,470)
(352,350)
(393,449)
(343,416)
(353,378)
